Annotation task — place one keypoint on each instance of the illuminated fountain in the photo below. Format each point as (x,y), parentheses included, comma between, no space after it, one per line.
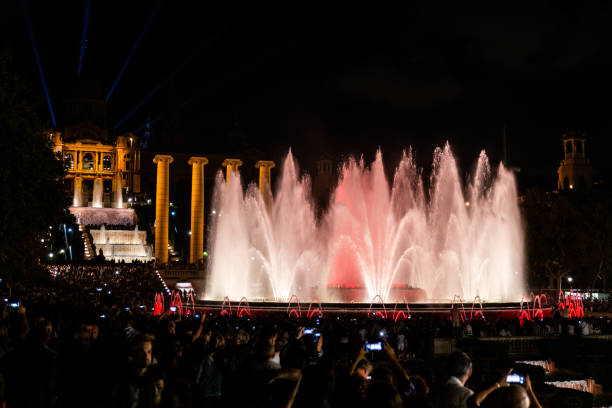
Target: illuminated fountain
(122,245)
(266,249)
(376,239)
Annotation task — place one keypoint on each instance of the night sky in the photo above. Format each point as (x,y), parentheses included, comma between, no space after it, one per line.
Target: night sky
(335,81)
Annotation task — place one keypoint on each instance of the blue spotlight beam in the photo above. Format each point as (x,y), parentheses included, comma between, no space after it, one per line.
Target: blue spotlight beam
(179,106)
(155,90)
(84,37)
(198,95)
(151,122)
(133,50)
(37,58)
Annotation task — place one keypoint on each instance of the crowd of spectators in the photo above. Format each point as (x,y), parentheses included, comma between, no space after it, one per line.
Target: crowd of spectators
(598,306)
(89,337)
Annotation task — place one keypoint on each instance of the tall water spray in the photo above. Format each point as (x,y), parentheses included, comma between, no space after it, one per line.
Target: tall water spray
(376,237)
(264,247)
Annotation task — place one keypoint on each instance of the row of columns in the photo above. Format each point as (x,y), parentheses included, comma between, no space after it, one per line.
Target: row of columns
(162,201)
(98,192)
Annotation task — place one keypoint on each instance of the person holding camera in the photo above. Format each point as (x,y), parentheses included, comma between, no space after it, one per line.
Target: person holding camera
(454,394)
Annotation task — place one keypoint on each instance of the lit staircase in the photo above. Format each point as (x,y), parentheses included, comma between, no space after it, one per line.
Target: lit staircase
(88,249)
(172,252)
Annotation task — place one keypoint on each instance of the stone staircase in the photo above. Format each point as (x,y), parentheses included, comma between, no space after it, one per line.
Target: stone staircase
(88,249)
(172,253)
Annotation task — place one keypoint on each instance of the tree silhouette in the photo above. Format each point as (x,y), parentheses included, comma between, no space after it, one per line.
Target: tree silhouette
(31,177)
(568,234)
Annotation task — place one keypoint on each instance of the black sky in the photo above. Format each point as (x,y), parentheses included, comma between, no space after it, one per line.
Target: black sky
(339,81)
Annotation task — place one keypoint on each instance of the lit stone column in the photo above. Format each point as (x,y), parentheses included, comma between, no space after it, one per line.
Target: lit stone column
(78,188)
(196,246)
(231,166)
(264,174)
(162,201)
(97,193)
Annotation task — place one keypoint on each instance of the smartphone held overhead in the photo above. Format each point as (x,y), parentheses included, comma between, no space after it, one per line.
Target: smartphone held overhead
(515,379)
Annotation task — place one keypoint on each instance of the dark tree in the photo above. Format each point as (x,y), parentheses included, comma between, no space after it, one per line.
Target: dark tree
(547,237)
(598,228)
(568,234)
(31,179)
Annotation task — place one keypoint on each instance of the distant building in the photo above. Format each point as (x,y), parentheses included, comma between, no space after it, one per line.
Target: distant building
(575,171)
(103,174)
(101,168)
(99,172)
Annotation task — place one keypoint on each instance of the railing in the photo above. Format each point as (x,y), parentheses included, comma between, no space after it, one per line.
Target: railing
(175,273)
(517,345)
(606,338)
(526,345)
(514,346)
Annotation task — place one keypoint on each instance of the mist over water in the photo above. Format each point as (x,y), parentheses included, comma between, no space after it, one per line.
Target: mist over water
(377,235)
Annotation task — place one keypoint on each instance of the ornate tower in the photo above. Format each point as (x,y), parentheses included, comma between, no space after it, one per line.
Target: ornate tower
(575,172)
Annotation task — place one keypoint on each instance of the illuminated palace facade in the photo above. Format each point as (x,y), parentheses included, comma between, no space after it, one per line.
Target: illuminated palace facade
(100,173)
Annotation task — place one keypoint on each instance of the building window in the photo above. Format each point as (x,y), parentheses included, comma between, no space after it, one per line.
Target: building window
(88,161)
(579,147)
(106,163)
(68,161)
(568,147)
